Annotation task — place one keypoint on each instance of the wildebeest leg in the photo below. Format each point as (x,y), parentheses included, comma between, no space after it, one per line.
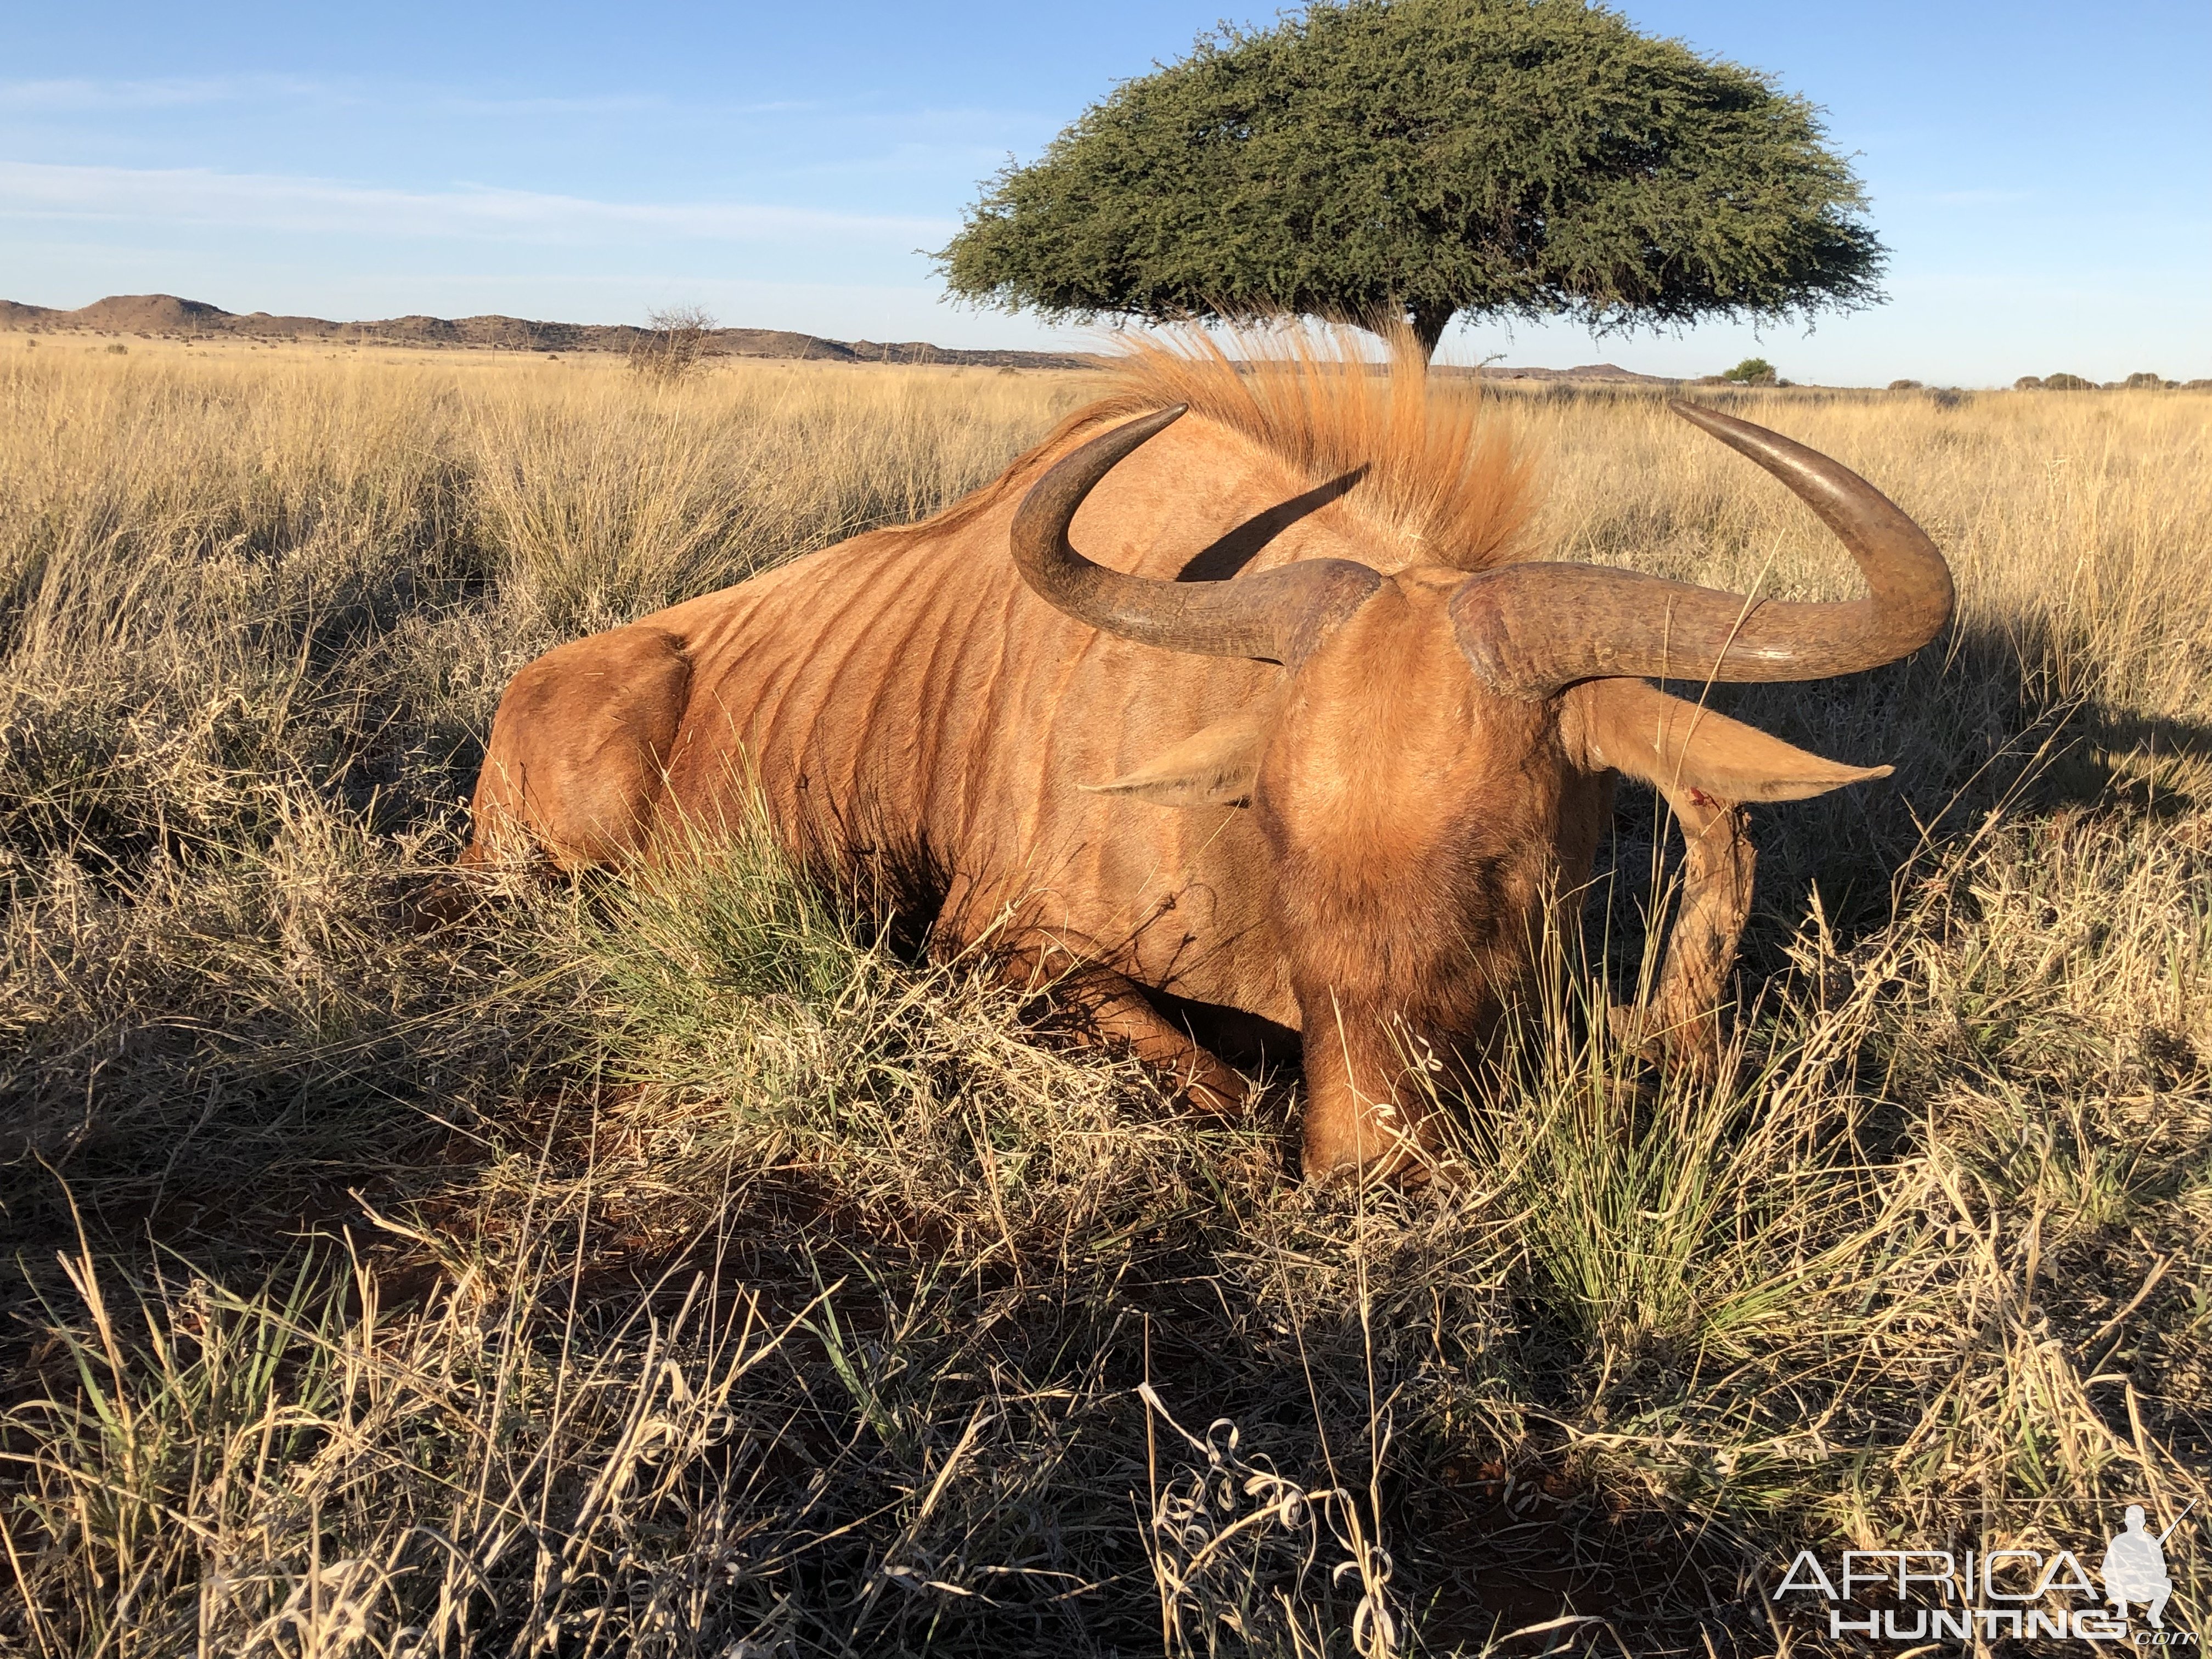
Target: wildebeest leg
(1682,1023)
(1066,967)
(574,769)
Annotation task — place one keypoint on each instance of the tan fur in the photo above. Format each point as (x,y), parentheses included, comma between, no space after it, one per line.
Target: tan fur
(905,695)
(578,748)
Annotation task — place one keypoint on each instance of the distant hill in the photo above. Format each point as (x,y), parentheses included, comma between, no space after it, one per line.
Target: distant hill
(167,317)
(1612,374)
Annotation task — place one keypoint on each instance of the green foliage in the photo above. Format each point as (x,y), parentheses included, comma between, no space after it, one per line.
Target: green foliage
(1905,386)
(2145,382)
(1752,371)
(1387,161)
(2028,383)
(2067,383)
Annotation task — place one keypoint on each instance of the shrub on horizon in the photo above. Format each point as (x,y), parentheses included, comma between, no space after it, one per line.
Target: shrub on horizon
(2067,383)
(673,344)
(1905,386)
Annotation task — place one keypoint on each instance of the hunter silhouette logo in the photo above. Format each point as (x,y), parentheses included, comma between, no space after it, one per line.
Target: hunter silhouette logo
(2135,1568)
(1990,1594)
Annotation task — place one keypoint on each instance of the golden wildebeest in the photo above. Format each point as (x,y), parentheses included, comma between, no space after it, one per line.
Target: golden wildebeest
(1309,750)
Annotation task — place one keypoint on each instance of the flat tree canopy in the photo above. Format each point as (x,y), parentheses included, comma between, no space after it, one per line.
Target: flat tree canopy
(1394,163)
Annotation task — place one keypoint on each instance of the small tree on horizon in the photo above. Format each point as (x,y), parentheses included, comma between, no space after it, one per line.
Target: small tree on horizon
(672,343)
(1392,163)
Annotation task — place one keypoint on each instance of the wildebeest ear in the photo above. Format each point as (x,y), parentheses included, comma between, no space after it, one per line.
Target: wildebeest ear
(1633,726)
(1215,766)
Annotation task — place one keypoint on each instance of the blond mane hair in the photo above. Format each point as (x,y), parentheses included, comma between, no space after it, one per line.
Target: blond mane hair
(1440,475)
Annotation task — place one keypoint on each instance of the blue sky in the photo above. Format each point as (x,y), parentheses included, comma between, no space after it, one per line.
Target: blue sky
(2043,173)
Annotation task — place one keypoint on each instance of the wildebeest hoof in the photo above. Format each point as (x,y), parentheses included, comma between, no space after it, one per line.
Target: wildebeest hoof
(1628,1024)
(444,903)
(1686,1049)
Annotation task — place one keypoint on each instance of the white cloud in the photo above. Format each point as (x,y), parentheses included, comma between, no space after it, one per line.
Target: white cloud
(277,202)
(79,96)
(64,97)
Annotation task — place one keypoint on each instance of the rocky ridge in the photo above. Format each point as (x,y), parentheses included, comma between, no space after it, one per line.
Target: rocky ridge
(164,316)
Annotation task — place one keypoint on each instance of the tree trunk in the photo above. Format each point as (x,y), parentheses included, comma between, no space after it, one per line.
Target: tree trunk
(1430,323)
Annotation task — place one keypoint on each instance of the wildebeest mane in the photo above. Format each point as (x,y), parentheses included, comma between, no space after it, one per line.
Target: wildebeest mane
(1443,478)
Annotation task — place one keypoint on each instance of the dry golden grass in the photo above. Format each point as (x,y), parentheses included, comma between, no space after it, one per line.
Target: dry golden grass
(676,1268)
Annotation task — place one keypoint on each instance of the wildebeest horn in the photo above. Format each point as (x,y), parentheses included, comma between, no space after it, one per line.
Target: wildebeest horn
(1274,616)
(1532,628)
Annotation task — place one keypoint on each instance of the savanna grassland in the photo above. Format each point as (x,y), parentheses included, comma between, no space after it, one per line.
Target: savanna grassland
(679,1267)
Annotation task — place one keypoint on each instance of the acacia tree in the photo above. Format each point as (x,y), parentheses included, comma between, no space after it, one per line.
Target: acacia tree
(1395,162)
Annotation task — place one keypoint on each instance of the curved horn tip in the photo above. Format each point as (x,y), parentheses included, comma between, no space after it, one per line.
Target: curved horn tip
(1700,415)
(1157,422)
